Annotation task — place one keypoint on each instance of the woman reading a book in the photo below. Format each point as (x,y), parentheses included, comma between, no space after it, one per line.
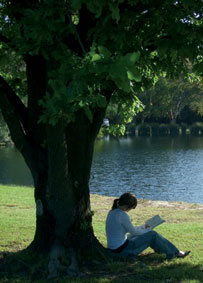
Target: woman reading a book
(118,224)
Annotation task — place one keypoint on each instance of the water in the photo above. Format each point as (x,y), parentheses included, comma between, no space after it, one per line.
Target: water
(153,168)
(13,170)
(156,168)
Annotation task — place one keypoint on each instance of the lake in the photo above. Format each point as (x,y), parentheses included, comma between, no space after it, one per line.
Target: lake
(155,168)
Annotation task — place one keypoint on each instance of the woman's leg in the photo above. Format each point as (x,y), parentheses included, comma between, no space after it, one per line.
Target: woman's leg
(150,239)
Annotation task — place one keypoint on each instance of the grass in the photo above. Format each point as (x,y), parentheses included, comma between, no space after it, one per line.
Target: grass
(184,227)
(17,218)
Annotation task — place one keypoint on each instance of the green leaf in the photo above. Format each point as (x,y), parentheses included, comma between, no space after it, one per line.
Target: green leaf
(198,68)
(131,58)
(96,57)
(81,104)
(88,113)
(116,130)
(123,84)
(101,101)
(134,74)
(117,71)
(104,51)
(115,12)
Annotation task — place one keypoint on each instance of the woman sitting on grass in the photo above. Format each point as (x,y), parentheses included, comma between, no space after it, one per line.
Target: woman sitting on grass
(118,224)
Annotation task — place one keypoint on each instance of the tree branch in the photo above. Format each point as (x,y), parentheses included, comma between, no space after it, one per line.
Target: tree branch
(18,107)
(75,29)
(78,42)
(14,112)
(36,83)
(99,113)
(10,106)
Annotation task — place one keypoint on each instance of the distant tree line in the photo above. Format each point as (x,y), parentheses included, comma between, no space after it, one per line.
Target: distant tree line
(169,101)
(172,101)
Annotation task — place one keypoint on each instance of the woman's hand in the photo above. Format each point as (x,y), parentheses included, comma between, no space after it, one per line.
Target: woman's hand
(147,226)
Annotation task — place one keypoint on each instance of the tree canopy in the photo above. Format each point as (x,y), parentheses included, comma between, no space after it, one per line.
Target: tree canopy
(119,45)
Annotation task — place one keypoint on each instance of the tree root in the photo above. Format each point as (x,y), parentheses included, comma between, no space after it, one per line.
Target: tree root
(57,251)
(108,255)
(100,254)
(73,269)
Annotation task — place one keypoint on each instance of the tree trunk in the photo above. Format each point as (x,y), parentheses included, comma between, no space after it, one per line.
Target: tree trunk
(59,158)
(63,213)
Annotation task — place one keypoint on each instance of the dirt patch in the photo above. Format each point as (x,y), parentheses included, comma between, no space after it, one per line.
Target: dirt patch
(178,205)
(104,202)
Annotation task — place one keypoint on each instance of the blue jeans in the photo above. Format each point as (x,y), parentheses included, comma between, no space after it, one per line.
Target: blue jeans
(150,239)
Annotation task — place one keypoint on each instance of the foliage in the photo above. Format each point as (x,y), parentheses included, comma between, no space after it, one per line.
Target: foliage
(196,103)
(125,47)
(13,70)
(120,115)
(168,97)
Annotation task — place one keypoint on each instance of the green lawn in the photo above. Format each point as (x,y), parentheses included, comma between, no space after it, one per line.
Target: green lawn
(184,227)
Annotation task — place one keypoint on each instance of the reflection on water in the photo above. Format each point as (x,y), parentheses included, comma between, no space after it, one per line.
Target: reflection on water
(153,168)
(157,168)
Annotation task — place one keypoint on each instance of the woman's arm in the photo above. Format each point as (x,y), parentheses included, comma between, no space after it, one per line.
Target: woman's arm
(129,227)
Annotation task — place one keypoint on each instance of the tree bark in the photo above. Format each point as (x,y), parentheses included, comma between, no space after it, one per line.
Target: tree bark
(61,170)
(64,212)
(64,218)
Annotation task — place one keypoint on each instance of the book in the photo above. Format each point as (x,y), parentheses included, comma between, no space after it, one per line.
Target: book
(151,222)
(154,221)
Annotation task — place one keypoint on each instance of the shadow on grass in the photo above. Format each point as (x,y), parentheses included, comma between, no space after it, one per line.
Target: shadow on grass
(22,266)
(27,267)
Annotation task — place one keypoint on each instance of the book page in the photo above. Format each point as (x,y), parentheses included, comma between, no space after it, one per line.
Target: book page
(154,221)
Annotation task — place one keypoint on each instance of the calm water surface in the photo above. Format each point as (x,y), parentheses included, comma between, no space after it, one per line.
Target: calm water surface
(153,168)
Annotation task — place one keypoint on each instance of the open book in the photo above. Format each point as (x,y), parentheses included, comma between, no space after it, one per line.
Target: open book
(154,221)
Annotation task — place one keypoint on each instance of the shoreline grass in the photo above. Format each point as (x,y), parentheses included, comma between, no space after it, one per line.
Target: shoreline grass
(184,227)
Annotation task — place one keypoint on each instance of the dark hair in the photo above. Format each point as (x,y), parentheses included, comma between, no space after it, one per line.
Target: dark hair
(127,199)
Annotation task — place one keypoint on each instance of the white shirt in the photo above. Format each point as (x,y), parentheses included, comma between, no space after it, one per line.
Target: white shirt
(118,223)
